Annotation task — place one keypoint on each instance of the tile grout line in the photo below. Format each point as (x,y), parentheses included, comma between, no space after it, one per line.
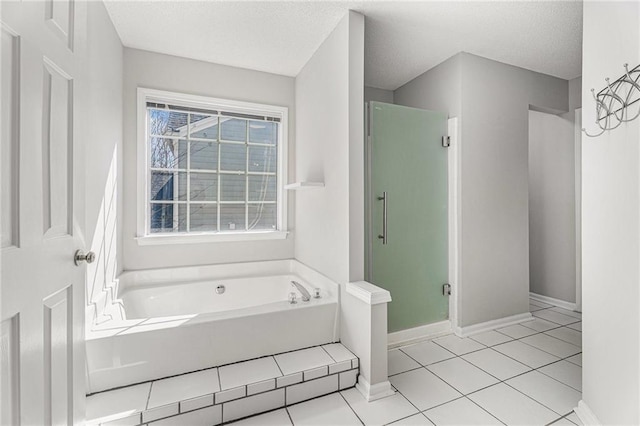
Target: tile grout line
(485,410)
(349,405)
(279,369)
(146,407)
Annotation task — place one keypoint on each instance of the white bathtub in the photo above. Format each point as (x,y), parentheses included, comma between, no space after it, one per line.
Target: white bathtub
(176,322)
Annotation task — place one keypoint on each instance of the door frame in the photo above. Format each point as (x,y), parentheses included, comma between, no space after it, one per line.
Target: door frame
(577,129)
(454,221)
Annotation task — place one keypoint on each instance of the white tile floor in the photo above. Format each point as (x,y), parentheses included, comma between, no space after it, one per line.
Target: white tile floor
(529,374)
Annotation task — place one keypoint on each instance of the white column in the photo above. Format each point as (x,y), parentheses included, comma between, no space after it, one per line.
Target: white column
(364,332)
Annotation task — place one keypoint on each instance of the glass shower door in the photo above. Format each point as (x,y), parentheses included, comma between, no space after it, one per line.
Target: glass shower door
(407,198)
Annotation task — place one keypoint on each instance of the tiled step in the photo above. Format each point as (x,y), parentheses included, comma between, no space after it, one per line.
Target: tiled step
(230,392)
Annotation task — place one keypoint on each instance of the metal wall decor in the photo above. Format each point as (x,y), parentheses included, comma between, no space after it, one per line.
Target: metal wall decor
(618,102)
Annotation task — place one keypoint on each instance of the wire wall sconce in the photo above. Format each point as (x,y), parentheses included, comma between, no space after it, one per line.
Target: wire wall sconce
(614,102)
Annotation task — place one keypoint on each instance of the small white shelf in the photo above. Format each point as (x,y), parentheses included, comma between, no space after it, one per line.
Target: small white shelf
(304,185)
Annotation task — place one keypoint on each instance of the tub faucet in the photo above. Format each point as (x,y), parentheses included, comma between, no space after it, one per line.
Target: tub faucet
(303,291)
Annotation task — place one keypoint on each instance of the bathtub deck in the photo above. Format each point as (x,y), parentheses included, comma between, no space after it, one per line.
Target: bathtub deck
(230,392)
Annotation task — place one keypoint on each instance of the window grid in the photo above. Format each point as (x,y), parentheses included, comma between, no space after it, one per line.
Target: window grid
(188,170)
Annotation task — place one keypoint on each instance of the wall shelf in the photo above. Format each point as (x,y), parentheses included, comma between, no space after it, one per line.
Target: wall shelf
(304,185)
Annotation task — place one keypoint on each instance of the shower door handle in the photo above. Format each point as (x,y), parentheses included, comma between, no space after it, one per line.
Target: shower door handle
(383,236)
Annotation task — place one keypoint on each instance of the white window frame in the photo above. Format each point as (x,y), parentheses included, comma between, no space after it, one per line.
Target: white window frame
(144,237)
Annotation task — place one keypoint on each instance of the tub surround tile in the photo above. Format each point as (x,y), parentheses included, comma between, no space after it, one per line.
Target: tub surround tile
(118,403)
(274,418)
(260,387)
(338,352)
(315,373)
(230,394)
(348,379)
(160,412)
(209,416)
(196,403)
(243,373)
(199,399)
(131,420)
(252,405)
(183,387)
(291,379)
(340,366)
(302,360)
(314,388)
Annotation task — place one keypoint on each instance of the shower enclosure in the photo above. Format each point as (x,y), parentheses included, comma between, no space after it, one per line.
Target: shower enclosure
(406,215)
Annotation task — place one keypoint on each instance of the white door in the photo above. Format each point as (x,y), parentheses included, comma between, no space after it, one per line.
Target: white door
(42,291)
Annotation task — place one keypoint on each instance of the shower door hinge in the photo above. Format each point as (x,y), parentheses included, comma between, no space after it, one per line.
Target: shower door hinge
(446,289)
(446,141)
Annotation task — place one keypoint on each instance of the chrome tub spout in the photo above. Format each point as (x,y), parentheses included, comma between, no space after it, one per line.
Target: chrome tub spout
(303,291)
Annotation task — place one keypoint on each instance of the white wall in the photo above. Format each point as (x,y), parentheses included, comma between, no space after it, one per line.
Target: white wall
(103,148)
(329,227)
(610,224)
(494,206)
(378,95)
(552,232)
(492,100)
(323,154)
(164,72)
(438,89)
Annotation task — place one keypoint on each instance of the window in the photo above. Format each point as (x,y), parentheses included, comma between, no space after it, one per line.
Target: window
(211,167)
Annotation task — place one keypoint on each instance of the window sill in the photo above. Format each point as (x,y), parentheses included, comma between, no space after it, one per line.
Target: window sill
(154,240)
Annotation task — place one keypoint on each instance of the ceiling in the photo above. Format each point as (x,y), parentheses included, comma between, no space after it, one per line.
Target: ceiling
(402,39)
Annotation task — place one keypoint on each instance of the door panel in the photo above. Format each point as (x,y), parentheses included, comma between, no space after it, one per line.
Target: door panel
(41,290)
(408,162)
(57,144)
(9,151)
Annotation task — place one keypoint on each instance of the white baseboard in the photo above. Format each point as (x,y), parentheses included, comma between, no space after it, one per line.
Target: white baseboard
(416,334)
(585,414)
(492,325)
(373,392)
(551,301)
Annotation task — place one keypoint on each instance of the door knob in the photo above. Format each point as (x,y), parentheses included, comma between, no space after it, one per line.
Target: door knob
(80,257)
